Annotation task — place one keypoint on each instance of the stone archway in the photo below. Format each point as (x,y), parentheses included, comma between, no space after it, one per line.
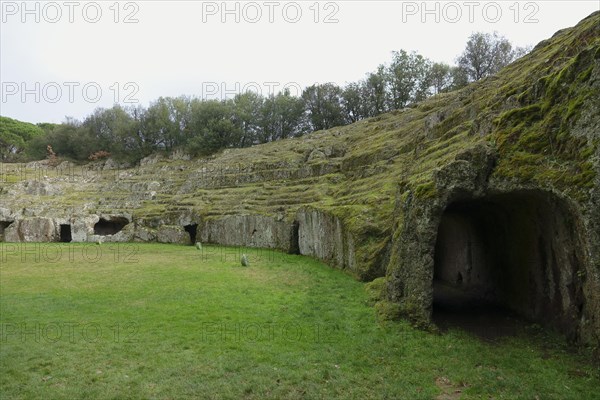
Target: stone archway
(519,252)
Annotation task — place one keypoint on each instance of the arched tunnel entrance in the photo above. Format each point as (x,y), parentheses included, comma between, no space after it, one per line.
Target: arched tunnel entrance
(505,256)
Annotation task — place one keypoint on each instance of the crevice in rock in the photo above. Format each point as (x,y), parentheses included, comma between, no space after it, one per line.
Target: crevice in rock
(192,230)
(111,226)
(65,233)
(505,258)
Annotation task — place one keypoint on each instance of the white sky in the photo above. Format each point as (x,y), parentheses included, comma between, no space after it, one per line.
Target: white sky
(184,47)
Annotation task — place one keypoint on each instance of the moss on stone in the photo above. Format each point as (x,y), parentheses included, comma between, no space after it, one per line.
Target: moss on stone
(388,311)
(375,290)
(425,190)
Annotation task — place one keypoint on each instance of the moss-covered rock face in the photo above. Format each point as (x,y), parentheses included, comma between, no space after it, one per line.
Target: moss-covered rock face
(520,148)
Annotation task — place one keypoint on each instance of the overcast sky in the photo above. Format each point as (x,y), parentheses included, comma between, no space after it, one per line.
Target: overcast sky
(61,59)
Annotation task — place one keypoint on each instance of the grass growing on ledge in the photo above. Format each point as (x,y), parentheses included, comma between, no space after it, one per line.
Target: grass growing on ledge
(164,321)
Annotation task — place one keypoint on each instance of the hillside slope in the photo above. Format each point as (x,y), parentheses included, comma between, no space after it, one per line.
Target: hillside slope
(518,151)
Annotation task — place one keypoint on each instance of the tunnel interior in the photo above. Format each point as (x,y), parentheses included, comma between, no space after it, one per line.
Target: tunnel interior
(110,226)
(510,255)
(192,230)
(65,233)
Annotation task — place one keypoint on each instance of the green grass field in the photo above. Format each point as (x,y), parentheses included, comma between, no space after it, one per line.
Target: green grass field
(171,322)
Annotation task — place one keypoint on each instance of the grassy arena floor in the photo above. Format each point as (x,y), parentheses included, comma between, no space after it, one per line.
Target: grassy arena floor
(171,322)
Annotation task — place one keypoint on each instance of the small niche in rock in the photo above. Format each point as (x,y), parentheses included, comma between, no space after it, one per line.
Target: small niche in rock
(192,230)
(3,226)
(65,233)
(111,226)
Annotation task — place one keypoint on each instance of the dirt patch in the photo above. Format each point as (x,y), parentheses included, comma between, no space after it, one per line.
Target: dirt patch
(450,391)
(453,309)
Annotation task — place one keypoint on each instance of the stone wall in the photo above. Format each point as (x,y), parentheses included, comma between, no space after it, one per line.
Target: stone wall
(248,230)
(34,229)
(323,236)
(37,228)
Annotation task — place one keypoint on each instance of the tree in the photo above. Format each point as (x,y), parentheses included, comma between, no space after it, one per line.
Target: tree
(116,130)
(10,144)
(47,127)
(353,99)
(36,148)
(485,54)
(180,114)
(407,76)
(440,77)
(157,126)
(211,127)
(375,92)
(14,136)
(281,117)
(69,140)
(522,51)
(323,106)
(247,108)
(459,78)
(166,122)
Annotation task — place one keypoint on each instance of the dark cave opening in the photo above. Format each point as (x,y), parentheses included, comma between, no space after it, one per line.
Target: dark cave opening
(295,239)
(192,230)
(65,233)
(504,261)
(110,227)
(3,226)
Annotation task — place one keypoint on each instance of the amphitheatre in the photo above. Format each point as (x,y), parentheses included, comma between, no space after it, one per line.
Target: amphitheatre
(490,193)
(370,198)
